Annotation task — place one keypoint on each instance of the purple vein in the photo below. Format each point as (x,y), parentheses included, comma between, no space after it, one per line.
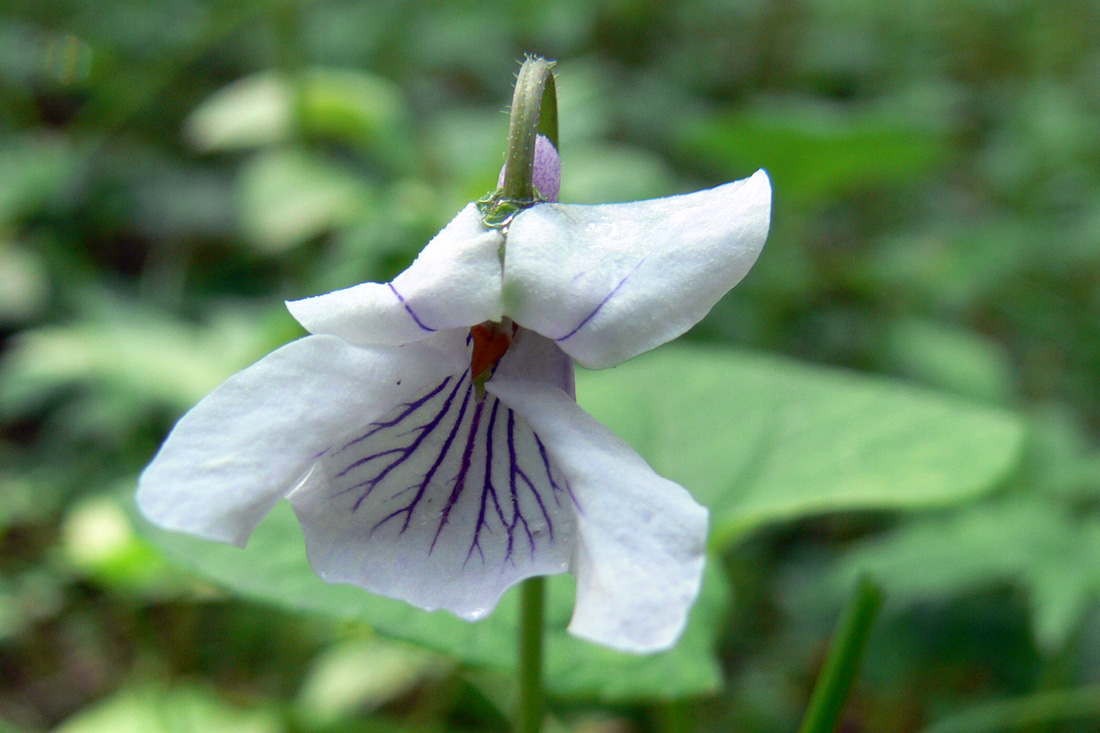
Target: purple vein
(601,304)
(423,485)
(517,515)
(546,467)
(426,429)
(464,468)
(409,310)
(406,452)
(411,408)
(487,491)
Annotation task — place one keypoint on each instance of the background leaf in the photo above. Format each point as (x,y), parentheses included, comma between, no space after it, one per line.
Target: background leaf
(273,568)
(761,439)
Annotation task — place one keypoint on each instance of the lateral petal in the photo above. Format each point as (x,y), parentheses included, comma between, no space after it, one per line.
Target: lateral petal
(454,283)
(444,502)
(640,538)
(609,282)
(241,449)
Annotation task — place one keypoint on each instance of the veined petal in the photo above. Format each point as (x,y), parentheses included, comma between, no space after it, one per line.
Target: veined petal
(241,449)
(609,282)
(454,283)
(640,538)
(444,502)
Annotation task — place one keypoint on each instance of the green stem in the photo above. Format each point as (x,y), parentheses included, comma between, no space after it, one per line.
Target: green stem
(534,76)
(534,111)
(530,655)
(844,657)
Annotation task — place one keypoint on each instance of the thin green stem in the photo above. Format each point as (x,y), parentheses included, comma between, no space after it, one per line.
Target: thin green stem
(845,655)
(533,592)
(534,111)
(523,127)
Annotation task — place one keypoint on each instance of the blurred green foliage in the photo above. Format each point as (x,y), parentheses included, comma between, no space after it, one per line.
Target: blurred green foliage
(171,171)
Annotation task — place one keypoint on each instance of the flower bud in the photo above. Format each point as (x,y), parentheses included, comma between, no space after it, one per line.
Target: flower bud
(546,176)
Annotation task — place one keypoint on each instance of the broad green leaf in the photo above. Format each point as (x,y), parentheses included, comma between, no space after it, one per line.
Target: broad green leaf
(273,568)
(757,438)
(948,358)
(142,354)
(24,287)
(33,168)
(761,439)
(356,676)
(98,541)
(338,104)
(149,709)
(600,173)
(813,151)
(1024,540)
(289,196)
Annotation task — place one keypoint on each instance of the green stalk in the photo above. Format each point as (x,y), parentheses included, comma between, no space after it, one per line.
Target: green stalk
(534,77)
(533,592)
(842,664)
(534,110)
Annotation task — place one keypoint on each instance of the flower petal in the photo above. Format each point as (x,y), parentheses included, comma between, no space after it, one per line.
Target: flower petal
(609,282)
(535,358)
(454,283)
(241,449)
(444,502)
(641,538)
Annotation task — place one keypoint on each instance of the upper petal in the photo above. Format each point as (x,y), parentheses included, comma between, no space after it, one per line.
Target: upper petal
(609,282)
(455,282)
(641,538)
(241,449)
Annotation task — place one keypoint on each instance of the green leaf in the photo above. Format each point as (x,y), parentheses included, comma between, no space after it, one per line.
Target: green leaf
(124,349)
(24,284)
(605,172)
(813,151)
(290,196)
(33,168)
(148,709)
(949,358)
(1024,540)
(273,568)
(761,439)
(757,438)
(356,676)
(337,104)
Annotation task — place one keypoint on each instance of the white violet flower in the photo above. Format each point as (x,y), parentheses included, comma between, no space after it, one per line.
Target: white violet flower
(427,434)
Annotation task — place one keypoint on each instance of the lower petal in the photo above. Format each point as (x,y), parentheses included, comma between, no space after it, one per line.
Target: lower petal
(444,502)
(641,538)
(241,449)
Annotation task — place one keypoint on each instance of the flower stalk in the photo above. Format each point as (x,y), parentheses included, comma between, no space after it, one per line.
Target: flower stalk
(534,111)
(532,601)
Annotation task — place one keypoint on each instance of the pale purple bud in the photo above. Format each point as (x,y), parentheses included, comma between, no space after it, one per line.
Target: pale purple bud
(546,176)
